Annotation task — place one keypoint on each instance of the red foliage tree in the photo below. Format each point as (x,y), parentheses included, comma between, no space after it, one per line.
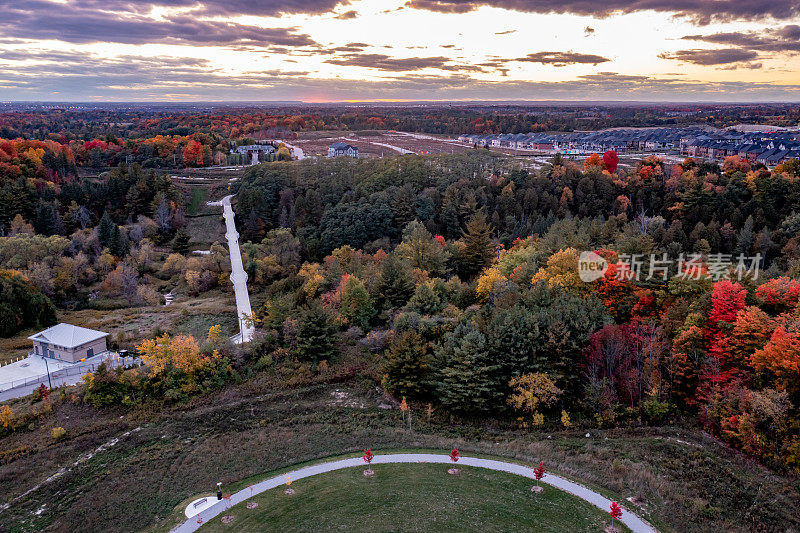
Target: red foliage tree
(615,355)
(193,154)
(727,300)
(615,512)
(43,391)
(368,456)
(611,160)
(780,294)
(539,472)
(454,455)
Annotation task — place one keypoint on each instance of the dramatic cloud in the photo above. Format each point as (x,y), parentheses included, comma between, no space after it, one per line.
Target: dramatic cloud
(785,39)
(699,11)
(391,64)
(347,15)
(148,79)
(80,65)
(211,8)
(560,59)
(722,56)
(79,24)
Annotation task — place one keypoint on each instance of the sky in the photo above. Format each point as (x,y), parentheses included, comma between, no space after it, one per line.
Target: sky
(399,50)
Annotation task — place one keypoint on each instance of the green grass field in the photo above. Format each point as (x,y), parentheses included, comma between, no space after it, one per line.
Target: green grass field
(413,497)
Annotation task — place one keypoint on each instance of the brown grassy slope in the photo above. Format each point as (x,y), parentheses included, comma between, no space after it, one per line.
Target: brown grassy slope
(687,481)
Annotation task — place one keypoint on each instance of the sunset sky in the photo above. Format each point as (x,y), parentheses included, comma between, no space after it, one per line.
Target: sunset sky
(324,50)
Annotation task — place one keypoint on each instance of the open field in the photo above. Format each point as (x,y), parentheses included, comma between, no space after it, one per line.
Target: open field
(377,143)
(415,497)
(679,479)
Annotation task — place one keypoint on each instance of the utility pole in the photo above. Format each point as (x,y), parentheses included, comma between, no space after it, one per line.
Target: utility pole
(48,373)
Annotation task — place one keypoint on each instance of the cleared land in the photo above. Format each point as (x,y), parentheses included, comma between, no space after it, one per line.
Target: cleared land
(416,497)
(377,143)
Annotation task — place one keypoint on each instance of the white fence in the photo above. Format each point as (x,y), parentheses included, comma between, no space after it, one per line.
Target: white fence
(112,360)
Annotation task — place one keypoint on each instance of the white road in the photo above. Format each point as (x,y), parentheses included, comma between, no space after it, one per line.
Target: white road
(391,147)
(636,524)
(297,153)
(238,275)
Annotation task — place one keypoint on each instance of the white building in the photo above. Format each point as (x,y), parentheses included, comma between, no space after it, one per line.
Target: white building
(338,149)
(69,343)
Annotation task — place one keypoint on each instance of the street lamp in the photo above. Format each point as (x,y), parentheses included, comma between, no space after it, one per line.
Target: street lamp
(48,373)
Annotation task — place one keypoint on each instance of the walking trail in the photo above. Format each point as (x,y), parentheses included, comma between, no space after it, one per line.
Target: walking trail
(195,521)
(238,275)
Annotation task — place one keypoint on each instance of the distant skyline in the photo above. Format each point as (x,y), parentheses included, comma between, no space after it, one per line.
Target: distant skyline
(396,50)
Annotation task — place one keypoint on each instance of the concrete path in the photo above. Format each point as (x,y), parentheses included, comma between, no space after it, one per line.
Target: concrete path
(238,275)
(62,374)
(194,523)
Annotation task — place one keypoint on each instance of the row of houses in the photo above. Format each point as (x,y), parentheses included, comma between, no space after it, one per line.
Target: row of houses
(620,140)
(767,147)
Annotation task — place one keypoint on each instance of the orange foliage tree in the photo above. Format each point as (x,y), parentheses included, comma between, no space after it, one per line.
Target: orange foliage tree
(781,357)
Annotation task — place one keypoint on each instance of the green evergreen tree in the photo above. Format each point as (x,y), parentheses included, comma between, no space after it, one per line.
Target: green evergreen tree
(45,220)
(420,250)
(315,335)
(180,244)
(478,247)
(356,303)
(105,230)
(425,300)
(118,245)
(406,366)
(395,286)
(468,379)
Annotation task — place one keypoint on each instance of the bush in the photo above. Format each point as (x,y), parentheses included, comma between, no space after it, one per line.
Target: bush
(655,411)
(58,433)
(264,362)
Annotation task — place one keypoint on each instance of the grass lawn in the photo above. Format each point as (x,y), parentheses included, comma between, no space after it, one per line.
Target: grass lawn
(198,198)
(413,497)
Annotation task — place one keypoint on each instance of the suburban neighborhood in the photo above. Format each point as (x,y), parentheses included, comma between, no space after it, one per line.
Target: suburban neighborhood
(769,146)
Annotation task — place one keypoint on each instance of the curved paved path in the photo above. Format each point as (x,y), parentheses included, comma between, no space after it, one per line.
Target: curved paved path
(635,523)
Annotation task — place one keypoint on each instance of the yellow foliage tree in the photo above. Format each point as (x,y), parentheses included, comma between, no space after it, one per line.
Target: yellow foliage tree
(193,281)
(214,334)
(312,273)
(6,416)
(562,271)
(532,391)
(487,282)
(181,352)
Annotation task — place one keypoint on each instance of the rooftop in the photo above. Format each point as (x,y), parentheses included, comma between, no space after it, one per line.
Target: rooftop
(67,335)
